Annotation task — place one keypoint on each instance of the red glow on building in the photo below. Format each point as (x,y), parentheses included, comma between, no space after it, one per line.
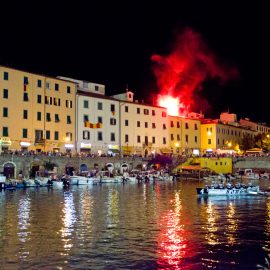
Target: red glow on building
(181,73)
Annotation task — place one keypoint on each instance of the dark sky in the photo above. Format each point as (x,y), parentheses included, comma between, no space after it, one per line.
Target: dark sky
(112,43)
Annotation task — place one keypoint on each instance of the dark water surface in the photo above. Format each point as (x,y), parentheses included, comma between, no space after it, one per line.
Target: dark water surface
(131,226)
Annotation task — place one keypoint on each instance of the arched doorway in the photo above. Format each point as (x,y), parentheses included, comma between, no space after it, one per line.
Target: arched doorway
(83,168)
(9,170)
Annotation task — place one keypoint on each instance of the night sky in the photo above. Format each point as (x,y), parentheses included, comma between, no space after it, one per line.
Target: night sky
(113,44)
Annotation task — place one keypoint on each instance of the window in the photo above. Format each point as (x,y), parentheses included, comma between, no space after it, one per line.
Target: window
(39,99)
(56,118)
(218,140)
(196,139)
(178,137)
(112,121)
(99,106)
(138,123)
(5,76)
(68,90)
(25,114)
(100,136)
(39,116)
(48,117)
(85,118)
(163,114)
(56,87)
(153,112)
(25,97)
(138,139)
(164,140)
(164,126)
(112,108)
(186,138)
(172,125)
(153,125)
(69,136)
(138,111)
(153,139)
(186,125)
(86,104)
(39,83)
(25,80)
(146,125)
(5,112)
(96,87)
(86,135)
(112,137)
(195,126)
(5,131)
(47,100)
(68,119)
(5,93)
(126,138)
(223,141)
(178,124)
(24,133)
(146,140)
(56,135)
(146,111)
(99,120)
(126,123)
(126,108)
(172,138)
(55,101)
(209,141)
(48,135)
(47,85)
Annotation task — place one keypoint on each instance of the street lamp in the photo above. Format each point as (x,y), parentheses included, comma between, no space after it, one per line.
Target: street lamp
(177,147)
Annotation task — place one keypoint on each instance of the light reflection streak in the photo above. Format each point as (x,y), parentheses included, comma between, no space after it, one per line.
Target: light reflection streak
(211,236)
(232,227)
(172,242)
(23,218)
(68,218)
(113,209)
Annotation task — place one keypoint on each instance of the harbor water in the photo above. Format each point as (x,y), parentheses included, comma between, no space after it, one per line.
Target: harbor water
(132,226)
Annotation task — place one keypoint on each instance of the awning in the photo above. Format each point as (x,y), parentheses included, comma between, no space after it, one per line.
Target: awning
(114,150)
(192,167)
(254,150)
(165,151)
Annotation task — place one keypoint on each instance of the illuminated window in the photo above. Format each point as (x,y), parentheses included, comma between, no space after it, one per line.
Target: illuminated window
(86,135)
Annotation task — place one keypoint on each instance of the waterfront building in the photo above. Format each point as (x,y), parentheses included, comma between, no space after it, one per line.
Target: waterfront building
(223,135)
(258,127)
(143,127)
(37,112)
(184,135)
(97,119)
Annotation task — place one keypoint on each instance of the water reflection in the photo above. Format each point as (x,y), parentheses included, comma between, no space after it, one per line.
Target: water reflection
(231,228)
(172,241)
(211,226)
(23,218)
(68,220)
(113,209)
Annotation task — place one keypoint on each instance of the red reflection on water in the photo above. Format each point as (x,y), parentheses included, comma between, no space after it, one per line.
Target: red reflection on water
(172,241)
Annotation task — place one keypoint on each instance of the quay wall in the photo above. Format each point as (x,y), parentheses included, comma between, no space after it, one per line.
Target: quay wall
(25,163)
(252,163)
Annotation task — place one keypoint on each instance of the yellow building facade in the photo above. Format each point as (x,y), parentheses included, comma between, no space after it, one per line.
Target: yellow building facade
(184,135)
(218,136)
(37,112)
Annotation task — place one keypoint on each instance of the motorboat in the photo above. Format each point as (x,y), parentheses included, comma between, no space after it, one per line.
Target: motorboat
(228,189)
